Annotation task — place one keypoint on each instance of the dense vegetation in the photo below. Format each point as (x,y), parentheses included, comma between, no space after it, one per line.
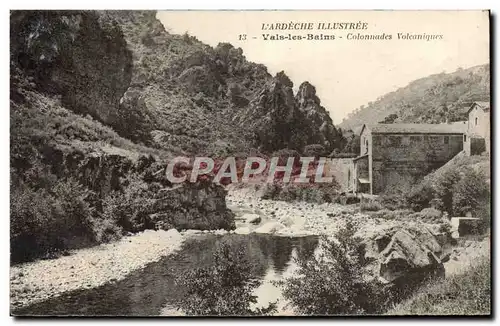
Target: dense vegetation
(434,99)
(468,293)
(225,288)
(332,283)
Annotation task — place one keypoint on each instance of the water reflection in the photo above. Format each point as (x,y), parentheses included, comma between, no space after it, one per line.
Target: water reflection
(153,290)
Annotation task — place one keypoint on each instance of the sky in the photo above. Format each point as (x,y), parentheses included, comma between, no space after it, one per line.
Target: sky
(346,73)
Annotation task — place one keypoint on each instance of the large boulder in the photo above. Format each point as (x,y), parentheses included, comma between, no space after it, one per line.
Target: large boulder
(398,253)
(406,254)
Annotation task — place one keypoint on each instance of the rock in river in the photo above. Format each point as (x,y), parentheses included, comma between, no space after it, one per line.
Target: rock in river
(252,218)
(270,227)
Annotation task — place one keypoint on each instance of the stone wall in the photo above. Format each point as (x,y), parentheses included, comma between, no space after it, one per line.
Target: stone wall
(403,159)
(342,169)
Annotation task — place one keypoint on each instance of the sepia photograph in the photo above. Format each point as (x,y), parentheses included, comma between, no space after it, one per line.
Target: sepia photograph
(232,163)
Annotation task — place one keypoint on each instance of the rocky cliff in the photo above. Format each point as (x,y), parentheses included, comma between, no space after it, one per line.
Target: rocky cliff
(166,91)
(95,94)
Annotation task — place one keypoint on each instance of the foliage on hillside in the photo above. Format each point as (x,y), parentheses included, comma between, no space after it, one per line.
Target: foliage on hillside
(433,99)
(463,294)
(163,90)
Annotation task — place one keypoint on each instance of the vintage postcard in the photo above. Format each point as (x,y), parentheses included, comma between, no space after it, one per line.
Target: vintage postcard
(250,163)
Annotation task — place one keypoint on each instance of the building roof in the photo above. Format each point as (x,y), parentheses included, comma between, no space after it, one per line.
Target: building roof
(360,157)
(483,105)
(416,128)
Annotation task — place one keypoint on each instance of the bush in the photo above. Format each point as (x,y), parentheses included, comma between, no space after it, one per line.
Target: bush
(225,288)
(444,189)
(398,215)
(347,199)
(462,294)
(428,215)
(44,222)
(469,192)
(332,282)
(370,205)
(393,201)
(128,209)
(420,196)
(314,150)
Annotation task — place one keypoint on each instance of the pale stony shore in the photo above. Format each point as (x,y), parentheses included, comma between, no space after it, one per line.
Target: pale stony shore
(90,267)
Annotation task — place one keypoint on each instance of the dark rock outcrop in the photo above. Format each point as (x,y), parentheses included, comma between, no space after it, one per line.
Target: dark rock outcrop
(278,119)
(193,206)
(404,255)
(147,80)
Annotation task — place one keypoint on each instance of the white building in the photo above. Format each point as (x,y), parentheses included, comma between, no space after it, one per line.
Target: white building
(477,137)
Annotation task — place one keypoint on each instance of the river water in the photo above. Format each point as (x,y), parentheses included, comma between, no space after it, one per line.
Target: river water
(153,291)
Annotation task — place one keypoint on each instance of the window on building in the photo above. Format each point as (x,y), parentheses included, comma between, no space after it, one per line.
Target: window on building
(465,138)
(476,121)
(446,140)
(366,146)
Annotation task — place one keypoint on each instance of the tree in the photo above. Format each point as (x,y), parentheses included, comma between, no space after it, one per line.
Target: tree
(390,118)
(470,192)
(332,282)
(223,289)
(444,189)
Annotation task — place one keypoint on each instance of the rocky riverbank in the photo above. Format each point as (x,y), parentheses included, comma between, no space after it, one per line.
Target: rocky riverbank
(301,218)
(91,267)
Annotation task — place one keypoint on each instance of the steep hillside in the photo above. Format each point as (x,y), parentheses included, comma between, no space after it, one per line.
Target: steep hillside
(433,99)
(101,99)
(166,91)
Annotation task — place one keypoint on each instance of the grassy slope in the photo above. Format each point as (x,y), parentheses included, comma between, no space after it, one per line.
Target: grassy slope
(479,163)
(462,294)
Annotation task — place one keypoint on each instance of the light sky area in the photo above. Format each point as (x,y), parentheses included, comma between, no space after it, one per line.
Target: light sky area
(347,73)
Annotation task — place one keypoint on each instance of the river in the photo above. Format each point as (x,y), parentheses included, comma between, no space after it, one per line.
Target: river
(152,291)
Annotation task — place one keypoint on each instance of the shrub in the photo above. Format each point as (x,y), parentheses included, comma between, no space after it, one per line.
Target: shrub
(469,192)
(444,189)
(347,199)
(461,294)
(399,214)
(420,196)
(44,222)
(484,213)
(428,215)
(314,150)
(370,205)
(128,209)
(393,201)
(332,282)
(225,288)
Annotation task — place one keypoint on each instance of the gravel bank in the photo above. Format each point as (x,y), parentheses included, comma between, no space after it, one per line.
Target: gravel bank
(299,218)
(91,267)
